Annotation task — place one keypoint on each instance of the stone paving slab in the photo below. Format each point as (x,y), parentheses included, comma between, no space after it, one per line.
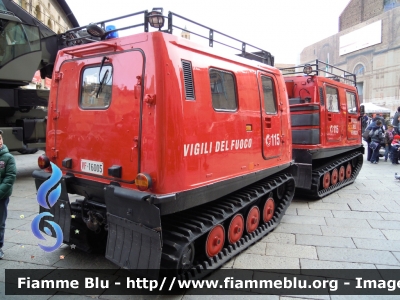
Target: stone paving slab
(329,206)
(325,264)
(357,255)
(314,212)
(341,200)
(304,220)
(289,250)
(390,216)
(328,241)
(256,261)
(294,228)
(345,223)
(384,224)
(352,196)
(392,234)
(281,238)
(369,207)
(388,245)
(362,215)
(352,232)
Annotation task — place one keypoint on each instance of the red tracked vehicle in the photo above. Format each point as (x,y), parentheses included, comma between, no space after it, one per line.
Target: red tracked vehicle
(182,153)
(326,130)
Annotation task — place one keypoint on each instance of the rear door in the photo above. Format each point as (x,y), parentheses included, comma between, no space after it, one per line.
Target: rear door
(333,115)
(270,116)
(353,125)
(97,124)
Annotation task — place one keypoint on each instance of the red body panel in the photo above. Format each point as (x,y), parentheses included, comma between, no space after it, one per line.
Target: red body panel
(151,128)
(338,127)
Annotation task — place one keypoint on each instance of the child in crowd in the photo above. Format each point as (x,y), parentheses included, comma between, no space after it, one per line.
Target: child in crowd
(389,133)
(395,149)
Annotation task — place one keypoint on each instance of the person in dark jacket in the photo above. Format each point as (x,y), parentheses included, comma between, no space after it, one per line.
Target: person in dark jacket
(8,173)
(396,120)
(373,125)
(377,138)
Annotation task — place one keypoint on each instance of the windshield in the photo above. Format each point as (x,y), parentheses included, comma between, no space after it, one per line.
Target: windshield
(17,39)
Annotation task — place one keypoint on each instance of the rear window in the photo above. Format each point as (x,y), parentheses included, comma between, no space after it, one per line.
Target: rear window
(269,95)
(332,99)
(351,103)
(96,87)
(223,90)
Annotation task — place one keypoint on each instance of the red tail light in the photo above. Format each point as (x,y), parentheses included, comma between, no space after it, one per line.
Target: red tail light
(43,162)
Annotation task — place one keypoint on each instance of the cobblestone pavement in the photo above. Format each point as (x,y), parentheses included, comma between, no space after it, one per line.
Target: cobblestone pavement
(356,227)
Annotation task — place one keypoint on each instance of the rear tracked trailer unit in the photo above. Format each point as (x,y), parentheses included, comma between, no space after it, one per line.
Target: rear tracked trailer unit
(326,128)
(182,154)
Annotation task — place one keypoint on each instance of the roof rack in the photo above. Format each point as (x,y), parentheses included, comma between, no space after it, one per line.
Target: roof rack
(80,35)
(321,68)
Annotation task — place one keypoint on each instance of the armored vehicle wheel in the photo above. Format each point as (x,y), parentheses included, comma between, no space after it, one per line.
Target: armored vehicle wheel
(326,180)
(349,170)
(215,240)
(253,219)
(342,173)
(269,210)
(334,176)
(236,228)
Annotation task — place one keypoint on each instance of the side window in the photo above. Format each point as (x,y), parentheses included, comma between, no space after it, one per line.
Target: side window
(223,90)
(332,99)
(269,95)
(96,87)
(351,103)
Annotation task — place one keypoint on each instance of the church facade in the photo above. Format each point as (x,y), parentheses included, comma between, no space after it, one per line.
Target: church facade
(368,44)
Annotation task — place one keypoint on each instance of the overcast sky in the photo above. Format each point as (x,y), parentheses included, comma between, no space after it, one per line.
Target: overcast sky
(283,28)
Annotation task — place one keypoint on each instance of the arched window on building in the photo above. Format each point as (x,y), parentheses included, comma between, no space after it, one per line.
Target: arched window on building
(49,24)
(38,14)
(359,70)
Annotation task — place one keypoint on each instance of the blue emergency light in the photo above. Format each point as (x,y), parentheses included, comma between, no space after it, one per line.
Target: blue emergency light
(111,35)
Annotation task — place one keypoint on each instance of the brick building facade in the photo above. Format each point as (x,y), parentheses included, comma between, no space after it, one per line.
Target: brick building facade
(376,60)
(53,13)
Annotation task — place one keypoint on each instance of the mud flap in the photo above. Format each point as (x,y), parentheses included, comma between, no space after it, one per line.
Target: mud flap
(134,232)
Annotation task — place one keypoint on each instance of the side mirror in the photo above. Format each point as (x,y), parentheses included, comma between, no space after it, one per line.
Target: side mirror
(362,109)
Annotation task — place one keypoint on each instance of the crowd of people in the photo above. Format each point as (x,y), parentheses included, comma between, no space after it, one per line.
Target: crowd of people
(378,133)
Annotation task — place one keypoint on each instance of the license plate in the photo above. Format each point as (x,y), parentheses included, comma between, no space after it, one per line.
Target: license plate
(90,166)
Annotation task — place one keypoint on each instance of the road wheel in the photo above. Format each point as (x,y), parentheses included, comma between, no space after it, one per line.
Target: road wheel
(326,180)
(215,240)
(334,176)
(342,173)
(236,228)
(349,170)
(253,219)
(269,209)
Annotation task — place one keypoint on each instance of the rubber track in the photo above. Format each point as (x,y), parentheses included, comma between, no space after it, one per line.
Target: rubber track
(184,228)
(317,175)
